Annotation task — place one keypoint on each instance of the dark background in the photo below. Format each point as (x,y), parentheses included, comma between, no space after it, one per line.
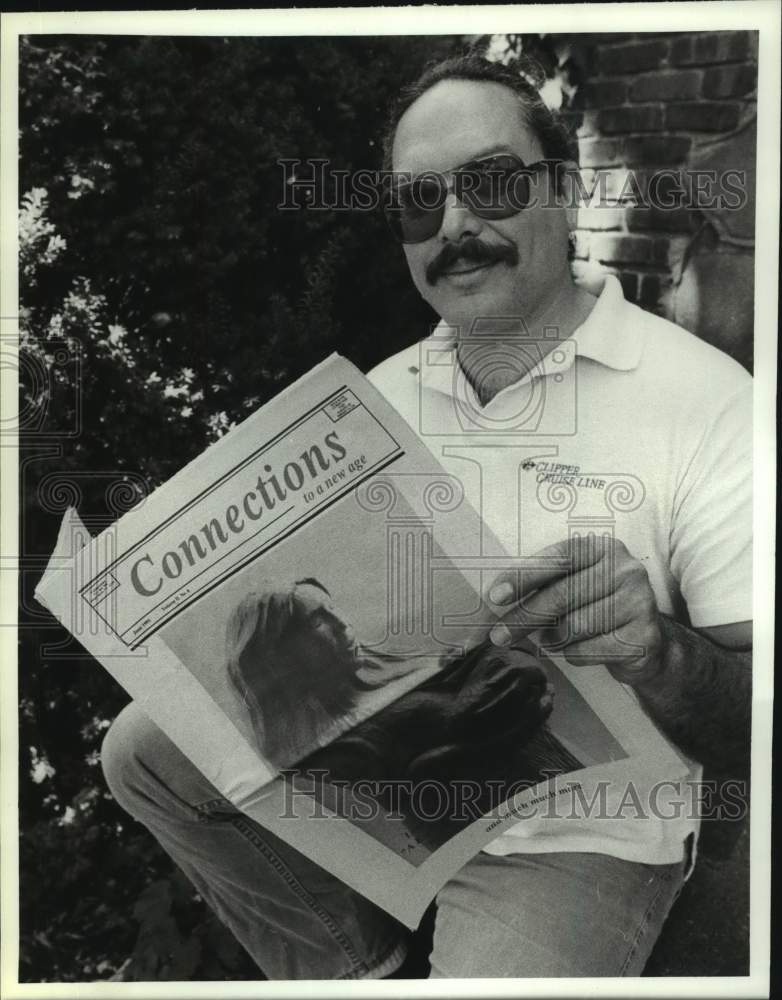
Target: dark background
(163,296)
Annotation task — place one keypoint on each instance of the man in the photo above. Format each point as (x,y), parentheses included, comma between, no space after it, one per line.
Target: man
(545,399)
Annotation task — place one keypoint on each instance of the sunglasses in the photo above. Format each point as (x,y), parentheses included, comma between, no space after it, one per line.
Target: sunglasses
(495,187)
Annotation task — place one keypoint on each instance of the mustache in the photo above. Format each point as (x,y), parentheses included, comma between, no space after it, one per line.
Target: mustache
(472,250)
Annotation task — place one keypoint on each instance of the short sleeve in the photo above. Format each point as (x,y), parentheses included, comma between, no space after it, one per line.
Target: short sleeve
(711,535)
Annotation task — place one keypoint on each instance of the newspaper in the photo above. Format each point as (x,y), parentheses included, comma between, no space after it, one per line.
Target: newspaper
(302,611)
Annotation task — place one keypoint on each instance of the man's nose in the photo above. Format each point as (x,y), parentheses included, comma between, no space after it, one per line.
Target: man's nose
(458,220)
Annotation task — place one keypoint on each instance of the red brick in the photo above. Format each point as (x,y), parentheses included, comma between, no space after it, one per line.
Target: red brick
(722,46)
(621,249)
(631,190)
(669,250)
(600,217)
(642,118)
(632,58)
(608,183)
(588,125)
(610,37)
(651,289)
(666,86)
(681,50)
(629,282)
(701,116)
(714,47)
(596,187)
(676,220)
(664,185)
(662,251)
(598,152)
(622,182)
(654,149)
(602,94)
(730,81)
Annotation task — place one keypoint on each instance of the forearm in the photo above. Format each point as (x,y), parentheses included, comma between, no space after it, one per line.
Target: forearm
(700,696)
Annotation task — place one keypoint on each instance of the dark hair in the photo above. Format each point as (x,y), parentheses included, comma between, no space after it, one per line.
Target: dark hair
(273,677)
(554,137)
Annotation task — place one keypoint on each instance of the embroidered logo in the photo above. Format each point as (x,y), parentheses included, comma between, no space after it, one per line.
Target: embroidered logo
(558,472)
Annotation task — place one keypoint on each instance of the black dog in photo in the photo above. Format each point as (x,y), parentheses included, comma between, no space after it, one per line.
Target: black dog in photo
(479,720)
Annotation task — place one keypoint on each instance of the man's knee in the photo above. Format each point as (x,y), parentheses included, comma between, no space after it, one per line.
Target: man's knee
(148,774)
(129,750)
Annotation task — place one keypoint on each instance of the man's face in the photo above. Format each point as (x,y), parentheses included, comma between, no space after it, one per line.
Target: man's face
(453,123)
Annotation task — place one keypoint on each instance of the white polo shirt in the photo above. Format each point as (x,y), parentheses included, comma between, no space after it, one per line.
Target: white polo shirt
(631,426)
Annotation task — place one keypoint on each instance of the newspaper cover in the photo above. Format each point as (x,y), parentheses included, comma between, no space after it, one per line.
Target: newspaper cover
(301,610)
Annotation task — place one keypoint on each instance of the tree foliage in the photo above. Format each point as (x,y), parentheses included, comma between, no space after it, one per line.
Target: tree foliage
(164,297)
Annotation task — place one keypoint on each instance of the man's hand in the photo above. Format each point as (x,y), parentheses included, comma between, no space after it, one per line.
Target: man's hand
(598,607)
(595,605)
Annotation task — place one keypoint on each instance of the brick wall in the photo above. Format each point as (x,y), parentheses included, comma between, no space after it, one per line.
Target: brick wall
(670,101)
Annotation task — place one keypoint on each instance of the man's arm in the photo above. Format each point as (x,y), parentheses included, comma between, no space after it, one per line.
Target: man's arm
(695,685)
(701,694)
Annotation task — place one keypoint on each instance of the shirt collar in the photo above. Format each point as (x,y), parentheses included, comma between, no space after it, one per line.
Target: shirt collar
(607,336)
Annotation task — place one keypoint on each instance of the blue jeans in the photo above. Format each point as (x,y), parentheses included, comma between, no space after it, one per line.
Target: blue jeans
(559,914)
